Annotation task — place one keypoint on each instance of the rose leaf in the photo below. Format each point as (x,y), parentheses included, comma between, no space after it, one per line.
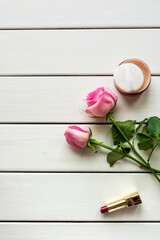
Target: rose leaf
(114,156)
(153,127)
(145,142)
(127,127)
(140,124)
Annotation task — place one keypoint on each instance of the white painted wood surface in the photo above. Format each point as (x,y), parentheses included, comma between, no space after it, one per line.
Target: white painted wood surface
(76,197)
(79,13)
(43,148)
(60,99)
(43,50)
(76,51)
(78,231)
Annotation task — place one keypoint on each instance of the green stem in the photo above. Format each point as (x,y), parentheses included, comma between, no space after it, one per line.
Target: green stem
(140,163)
(151,169)
(133,148)
(156,170)
(127,155)
(152,152)
(136,160)
(100,144)
(112,149)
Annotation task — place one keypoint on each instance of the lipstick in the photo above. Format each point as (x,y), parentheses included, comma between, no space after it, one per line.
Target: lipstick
(128,201)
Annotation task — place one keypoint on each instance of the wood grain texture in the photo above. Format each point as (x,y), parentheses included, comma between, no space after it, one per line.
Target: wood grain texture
(80,13)
(74,197)
(60,99)
(79,231)
(43,148)
(76,52)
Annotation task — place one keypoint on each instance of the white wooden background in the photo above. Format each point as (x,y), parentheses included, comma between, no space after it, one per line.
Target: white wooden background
(52,53)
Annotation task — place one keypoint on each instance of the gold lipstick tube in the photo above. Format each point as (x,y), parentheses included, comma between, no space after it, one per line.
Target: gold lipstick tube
(128,201)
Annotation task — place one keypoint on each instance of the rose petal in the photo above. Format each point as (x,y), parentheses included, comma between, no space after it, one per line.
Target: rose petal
(102,107)
(94,96)
(77,137)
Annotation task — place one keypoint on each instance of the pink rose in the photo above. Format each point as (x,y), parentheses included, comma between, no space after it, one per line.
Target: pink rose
(77,137)
(100,102)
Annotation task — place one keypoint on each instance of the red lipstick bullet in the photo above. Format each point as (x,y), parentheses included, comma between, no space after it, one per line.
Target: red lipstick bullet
(104,209)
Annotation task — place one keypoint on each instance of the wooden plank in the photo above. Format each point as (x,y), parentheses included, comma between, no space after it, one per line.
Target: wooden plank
(43,148)
(85,231)
(76,52)
(74,197)
(50,99)
(81,13)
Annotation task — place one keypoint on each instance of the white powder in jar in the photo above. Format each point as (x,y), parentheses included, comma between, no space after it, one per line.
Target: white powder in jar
(128,78)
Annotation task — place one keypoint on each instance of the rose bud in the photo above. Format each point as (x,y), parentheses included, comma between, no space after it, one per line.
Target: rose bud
(100,102)
(77,137)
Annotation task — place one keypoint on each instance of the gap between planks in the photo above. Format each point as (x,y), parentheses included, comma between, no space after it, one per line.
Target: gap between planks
(57,123)
(64,75)
(68,222)
(78,28)
(74,172)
